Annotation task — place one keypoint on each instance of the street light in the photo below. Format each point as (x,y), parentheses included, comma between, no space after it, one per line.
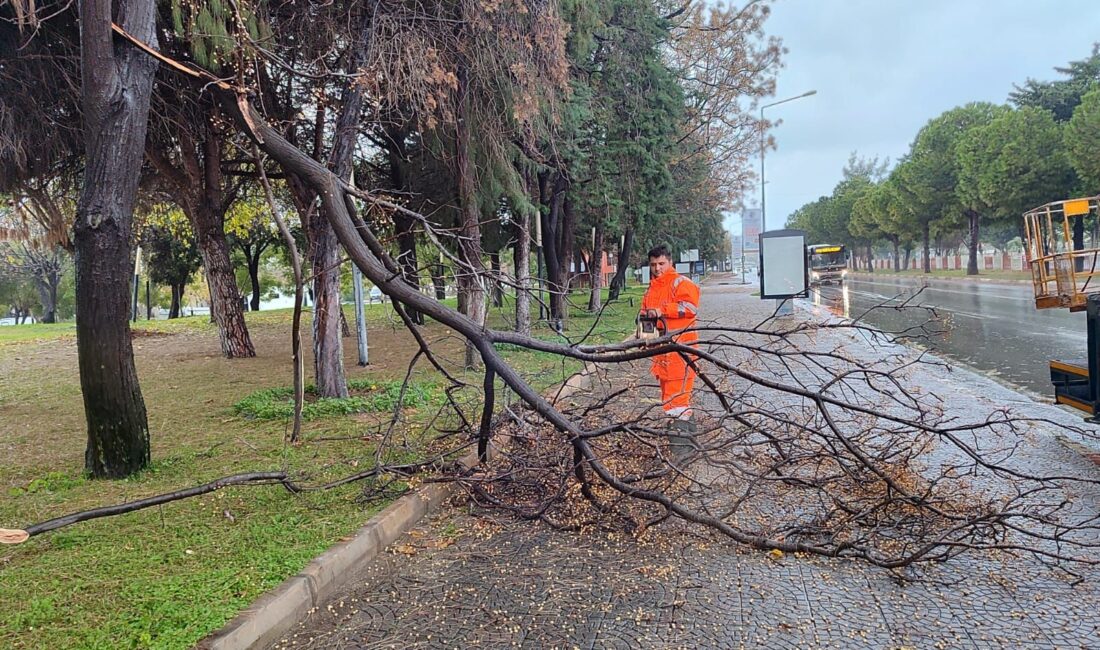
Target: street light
(763,211)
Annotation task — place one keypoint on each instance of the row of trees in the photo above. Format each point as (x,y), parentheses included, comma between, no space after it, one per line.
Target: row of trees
(971,173)
(482,127)
(37,275)
(483,130)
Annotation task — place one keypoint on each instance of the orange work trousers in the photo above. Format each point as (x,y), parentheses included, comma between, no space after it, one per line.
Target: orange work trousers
(676,391)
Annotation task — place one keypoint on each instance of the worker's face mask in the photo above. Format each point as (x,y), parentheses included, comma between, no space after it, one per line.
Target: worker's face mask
(658,265)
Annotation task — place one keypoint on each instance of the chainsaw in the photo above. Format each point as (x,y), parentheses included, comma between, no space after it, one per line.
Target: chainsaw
(649,327)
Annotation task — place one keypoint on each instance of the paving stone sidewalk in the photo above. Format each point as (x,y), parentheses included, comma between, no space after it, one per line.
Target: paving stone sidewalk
(462,581)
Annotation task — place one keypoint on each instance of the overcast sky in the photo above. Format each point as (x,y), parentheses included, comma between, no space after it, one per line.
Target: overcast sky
(883,68)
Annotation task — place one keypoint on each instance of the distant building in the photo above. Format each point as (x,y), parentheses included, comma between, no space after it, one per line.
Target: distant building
(750,231)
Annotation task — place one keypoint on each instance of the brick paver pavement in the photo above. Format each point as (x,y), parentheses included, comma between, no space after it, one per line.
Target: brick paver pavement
(464,581)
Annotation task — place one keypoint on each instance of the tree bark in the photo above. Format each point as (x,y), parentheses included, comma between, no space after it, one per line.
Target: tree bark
(974,222)
(177,301)
(117,81)
(328,349)
(345,329)
(404,225)
(52,315)
(196,185)
(328,352)
(471,277)
(254,275)
(410,267)
(46,279)
(498,286)
(568,247)
(870,259)
(439,282)
(595,264)
(521,257)
(925,234)
(908,256)
(618,282)
(553,238)
(897,254)
(225,298)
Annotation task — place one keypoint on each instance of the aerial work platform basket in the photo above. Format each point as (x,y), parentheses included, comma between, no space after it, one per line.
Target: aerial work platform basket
(1062,241)
(1062,274)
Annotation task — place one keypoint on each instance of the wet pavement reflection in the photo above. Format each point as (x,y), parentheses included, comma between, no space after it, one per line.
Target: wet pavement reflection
(835,299)
(993,328)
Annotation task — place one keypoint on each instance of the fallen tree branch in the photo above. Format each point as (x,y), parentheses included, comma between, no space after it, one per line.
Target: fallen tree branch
(252,478)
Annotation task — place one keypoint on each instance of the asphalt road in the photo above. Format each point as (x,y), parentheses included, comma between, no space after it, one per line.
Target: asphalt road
(993,328)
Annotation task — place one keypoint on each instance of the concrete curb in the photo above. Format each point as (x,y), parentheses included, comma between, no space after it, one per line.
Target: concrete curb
(279,610)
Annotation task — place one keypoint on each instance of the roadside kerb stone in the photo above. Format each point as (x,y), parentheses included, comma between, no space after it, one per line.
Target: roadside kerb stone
(277,611)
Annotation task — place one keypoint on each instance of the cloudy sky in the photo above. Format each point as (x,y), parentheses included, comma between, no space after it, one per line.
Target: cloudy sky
(882,68)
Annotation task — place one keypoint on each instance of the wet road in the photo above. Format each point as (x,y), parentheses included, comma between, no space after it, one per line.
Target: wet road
(993,328)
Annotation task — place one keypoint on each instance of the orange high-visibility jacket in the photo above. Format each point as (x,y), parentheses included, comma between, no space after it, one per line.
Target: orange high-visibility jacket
(676,298)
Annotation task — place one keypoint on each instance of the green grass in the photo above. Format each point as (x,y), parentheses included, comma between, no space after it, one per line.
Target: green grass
(166,577)
(36,332)
(376,313)
(368,396)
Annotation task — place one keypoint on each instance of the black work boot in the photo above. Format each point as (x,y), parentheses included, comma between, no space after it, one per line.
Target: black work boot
(681,445)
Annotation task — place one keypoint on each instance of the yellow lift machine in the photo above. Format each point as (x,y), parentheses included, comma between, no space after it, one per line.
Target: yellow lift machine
(1062,240)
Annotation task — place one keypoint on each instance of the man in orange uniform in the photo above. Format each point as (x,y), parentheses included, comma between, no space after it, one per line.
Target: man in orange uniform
(675,299)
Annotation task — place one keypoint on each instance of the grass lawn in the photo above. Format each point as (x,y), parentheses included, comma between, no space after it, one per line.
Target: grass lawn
(166,577)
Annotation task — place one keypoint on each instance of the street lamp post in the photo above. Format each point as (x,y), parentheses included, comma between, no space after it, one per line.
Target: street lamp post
(763,140)
(742,252)
(782,307)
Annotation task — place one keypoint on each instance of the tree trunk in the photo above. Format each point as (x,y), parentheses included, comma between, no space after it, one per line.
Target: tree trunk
(556,269)
(254,275)
(925,234)
(521,258)
(328,344)
(403,224)
(870,259)
(471,277)
(328,348)
(974,221)
(461,296)
(567,256)
(618,283)
(406,256)
(897,255)
(117,81)
(46,285)
(225,299)
(595,268)
(498,286)
(177,301)
(345,329)
(908,256)
(54,284)
(439,281)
